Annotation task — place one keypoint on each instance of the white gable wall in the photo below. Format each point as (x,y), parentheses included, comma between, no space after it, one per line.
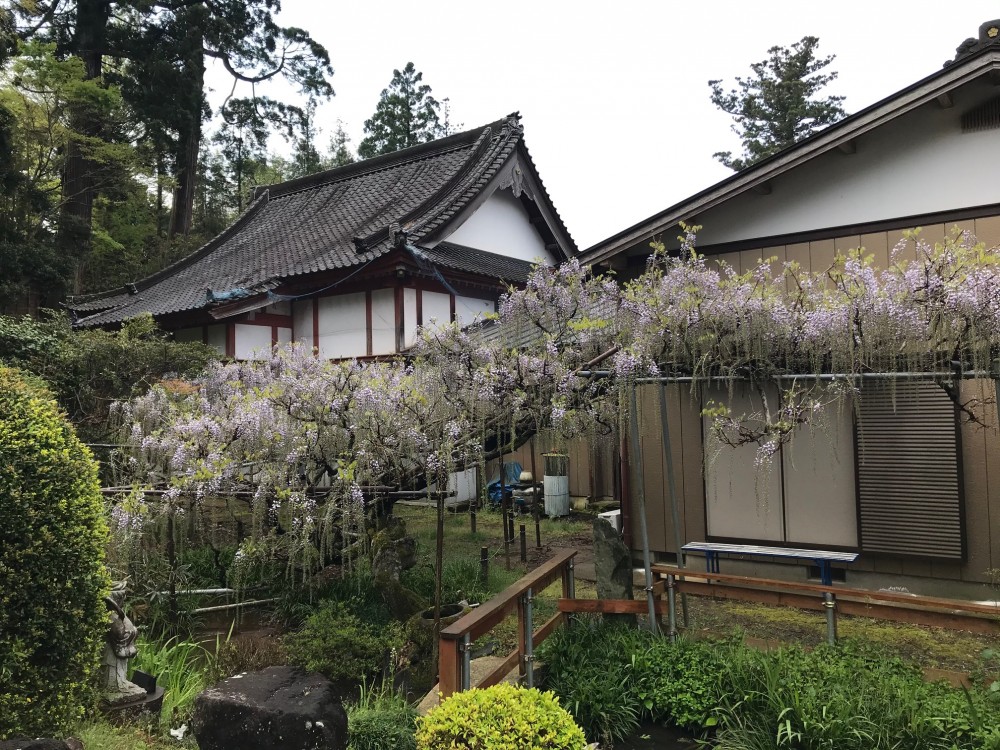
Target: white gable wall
(919,163)
(502,226)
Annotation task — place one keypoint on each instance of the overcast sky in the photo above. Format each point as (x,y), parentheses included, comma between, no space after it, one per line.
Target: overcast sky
(614,97)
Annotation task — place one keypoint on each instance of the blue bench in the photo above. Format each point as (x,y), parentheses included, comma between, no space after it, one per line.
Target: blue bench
(822,558)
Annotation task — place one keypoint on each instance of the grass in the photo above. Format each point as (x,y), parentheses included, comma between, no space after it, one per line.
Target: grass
(182,668)
(462,546)
(936,648)
(101,735)
(461,543)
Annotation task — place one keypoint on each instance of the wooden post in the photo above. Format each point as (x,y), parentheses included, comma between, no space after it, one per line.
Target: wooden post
(524,544)
(535,511)
(484,564)
(449,662)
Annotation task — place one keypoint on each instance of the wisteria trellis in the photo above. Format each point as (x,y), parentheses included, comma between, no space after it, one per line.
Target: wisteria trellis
(279,427)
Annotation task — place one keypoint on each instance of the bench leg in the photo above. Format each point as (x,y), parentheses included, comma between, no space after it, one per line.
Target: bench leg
(824,572)
(712,562)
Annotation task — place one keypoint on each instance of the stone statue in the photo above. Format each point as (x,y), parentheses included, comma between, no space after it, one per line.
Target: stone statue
(119,647)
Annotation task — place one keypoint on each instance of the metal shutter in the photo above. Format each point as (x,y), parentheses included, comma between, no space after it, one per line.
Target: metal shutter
(909,472)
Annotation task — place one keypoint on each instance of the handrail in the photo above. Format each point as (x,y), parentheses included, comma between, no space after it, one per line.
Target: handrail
(455,640)
(884,605)
(917,600)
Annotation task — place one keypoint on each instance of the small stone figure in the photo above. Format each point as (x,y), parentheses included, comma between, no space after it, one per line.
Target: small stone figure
(119,647)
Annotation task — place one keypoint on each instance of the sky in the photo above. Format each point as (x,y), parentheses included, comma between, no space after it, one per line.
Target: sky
(614,97)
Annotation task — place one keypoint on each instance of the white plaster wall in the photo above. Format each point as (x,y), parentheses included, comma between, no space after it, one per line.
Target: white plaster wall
(342,326)
(383,321)
(409,317)
(501,226)
(284,335)
(470,309)
(302,322)
(919,163)
(435,308)
(217,337)
(252,342)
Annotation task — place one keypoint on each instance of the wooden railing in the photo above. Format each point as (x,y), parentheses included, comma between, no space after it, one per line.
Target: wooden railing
(456,639)
(883,605)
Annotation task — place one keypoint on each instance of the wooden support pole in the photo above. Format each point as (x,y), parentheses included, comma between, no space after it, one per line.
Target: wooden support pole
(535,510)
(524,544)
(640,495)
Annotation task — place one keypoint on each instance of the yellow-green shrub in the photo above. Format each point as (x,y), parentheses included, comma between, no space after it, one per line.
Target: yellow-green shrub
(502,717)
(52,576)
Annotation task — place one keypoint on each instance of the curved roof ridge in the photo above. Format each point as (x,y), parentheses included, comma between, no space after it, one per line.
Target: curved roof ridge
(384,161)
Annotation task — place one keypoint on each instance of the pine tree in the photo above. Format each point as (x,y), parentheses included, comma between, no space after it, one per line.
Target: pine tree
(775,107)
(406,115)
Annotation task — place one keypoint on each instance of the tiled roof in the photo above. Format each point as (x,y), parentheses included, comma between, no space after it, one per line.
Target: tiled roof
(318,223)
(461,258)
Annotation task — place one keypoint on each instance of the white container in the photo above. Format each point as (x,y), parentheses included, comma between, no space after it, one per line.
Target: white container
(614,517)
(556,496)
(556,484)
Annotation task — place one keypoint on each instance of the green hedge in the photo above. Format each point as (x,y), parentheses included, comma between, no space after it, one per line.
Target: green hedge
(52,576)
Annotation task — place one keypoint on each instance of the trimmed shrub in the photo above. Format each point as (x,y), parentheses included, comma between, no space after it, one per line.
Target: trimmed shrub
(502,717)
(52,577)
(339,645)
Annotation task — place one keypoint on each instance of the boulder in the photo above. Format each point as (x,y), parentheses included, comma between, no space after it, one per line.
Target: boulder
(41,743)
(275,707)
(612,565)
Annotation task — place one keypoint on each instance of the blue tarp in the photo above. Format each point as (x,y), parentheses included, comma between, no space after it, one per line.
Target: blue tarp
(512,475)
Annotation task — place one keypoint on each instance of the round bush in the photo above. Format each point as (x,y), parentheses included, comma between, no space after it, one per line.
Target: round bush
(502,717)
(339,645)
(52,577)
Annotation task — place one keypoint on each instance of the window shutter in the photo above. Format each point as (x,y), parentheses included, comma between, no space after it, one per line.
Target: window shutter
(909,472)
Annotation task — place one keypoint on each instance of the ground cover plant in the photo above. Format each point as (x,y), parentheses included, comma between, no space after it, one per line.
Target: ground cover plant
(381,719)
(183,668)
(848,696)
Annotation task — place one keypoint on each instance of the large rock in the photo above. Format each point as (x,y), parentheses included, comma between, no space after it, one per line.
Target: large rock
(612,565)
(278,707)
(41,743)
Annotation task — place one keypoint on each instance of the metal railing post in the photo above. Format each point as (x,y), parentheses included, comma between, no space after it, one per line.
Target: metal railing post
(529,641)
(830,605)
(466,662)
(672,608)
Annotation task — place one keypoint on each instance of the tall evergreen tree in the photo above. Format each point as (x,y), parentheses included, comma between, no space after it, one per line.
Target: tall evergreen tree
(340,150)
(406,115)
(775,107)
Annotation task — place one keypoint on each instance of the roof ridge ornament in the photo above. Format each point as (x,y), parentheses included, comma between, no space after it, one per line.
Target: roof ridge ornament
(989,34)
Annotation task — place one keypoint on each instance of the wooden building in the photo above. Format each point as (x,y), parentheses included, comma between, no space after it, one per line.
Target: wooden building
(897,479)
(352,260)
